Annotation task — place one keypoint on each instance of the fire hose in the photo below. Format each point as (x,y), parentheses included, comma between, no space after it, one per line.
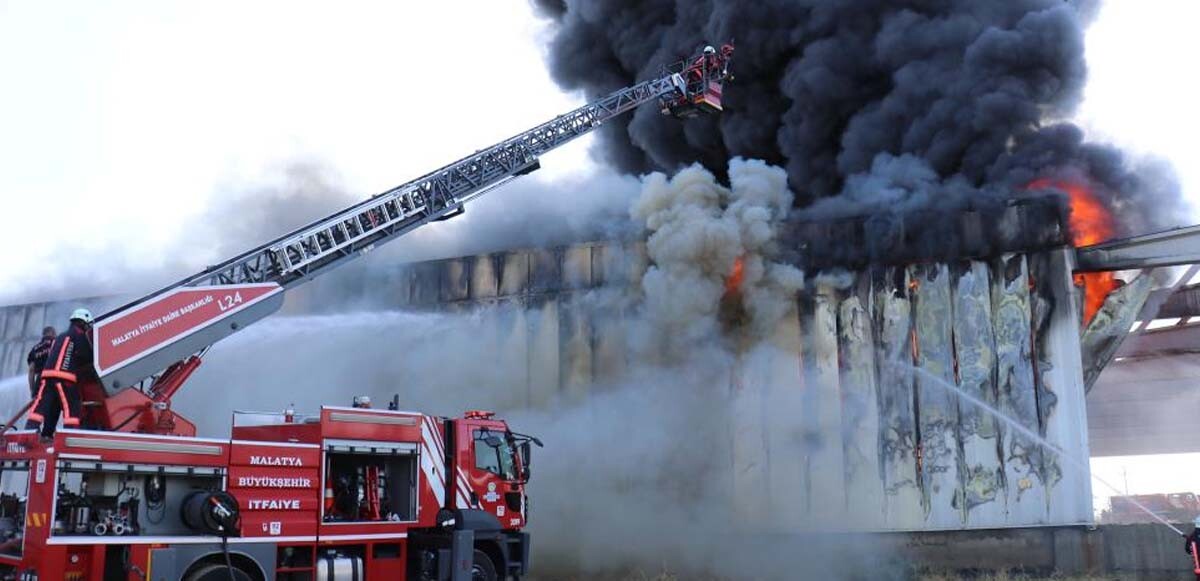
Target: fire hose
(215,513)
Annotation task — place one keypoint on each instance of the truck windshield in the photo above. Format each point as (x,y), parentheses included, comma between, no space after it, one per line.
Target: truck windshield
(494,454)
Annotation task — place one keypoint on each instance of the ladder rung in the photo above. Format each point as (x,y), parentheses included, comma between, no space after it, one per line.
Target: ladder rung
(309,248)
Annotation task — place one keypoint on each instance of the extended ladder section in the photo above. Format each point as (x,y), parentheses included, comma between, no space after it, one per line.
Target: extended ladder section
(327,242)
(170,326)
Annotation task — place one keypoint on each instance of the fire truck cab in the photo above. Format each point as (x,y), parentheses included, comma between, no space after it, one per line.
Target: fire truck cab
(346,493)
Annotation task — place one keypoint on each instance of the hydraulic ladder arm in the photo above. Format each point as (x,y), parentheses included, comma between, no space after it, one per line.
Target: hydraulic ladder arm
(146,349)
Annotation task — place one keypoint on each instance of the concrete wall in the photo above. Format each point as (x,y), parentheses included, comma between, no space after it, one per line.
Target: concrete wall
(1127,552)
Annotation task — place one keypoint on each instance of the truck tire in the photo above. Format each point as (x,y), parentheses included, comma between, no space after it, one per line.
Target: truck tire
(482,567)
(216,572)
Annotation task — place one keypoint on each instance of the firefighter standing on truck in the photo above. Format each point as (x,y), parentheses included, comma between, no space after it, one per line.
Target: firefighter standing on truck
(69,361)
(1191,544)
(37,359)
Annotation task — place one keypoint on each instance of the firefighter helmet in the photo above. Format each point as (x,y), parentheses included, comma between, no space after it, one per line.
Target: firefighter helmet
(82,315)
(710,50)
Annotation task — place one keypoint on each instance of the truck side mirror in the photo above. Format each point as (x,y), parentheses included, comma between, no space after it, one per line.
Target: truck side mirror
(526,452)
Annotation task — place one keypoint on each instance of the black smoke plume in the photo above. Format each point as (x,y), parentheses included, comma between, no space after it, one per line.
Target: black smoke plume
(870,105)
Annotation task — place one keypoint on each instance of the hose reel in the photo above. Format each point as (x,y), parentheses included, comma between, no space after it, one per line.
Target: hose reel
(212,512)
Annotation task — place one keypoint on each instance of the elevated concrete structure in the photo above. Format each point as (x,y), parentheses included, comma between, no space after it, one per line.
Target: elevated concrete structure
(1146,405)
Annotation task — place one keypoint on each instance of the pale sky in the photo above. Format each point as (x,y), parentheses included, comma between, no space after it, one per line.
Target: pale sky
(119,121)
(1142,84)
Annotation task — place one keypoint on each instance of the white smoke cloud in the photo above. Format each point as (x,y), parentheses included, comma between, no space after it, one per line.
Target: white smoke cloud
(698,229)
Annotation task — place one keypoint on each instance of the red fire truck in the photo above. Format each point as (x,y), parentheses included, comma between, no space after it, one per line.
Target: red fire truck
(347,493)
(344,493)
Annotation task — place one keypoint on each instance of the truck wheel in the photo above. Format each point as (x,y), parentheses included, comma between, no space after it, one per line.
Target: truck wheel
(483,569)
(216,572)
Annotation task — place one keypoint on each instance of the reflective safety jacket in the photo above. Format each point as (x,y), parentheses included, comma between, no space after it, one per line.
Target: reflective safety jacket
(70,357)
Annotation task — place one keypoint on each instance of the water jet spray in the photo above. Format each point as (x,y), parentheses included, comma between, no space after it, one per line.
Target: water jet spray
(1042,442)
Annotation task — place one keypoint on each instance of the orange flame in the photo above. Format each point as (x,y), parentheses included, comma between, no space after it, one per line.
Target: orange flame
(733,282)
(1090,223)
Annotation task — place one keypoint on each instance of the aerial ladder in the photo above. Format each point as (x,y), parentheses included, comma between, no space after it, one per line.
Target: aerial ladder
(145,350)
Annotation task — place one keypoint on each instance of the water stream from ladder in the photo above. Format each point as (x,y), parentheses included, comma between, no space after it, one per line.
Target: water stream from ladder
(1074,462)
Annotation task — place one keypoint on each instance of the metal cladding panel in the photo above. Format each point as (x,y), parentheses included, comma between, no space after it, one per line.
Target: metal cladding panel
(897,414)
(400,283)
(575,352)
(545,270)
(424,284)
(1110,326)
(1025,495)
(902,237)
(455,280)
(487,334)
(941,478)
(456,307)
(485,280)
(609,348)
(748,431)
(543,352)
(14,326)
(9,367)
(512,345)
(14,359)
(1008,225)
(57,314)
(35,318)
(610,264)
(975,351)
(1061,393)
(514,273)
(862,451)
(577,267)
(821,407)
(774,370)
(637,260)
